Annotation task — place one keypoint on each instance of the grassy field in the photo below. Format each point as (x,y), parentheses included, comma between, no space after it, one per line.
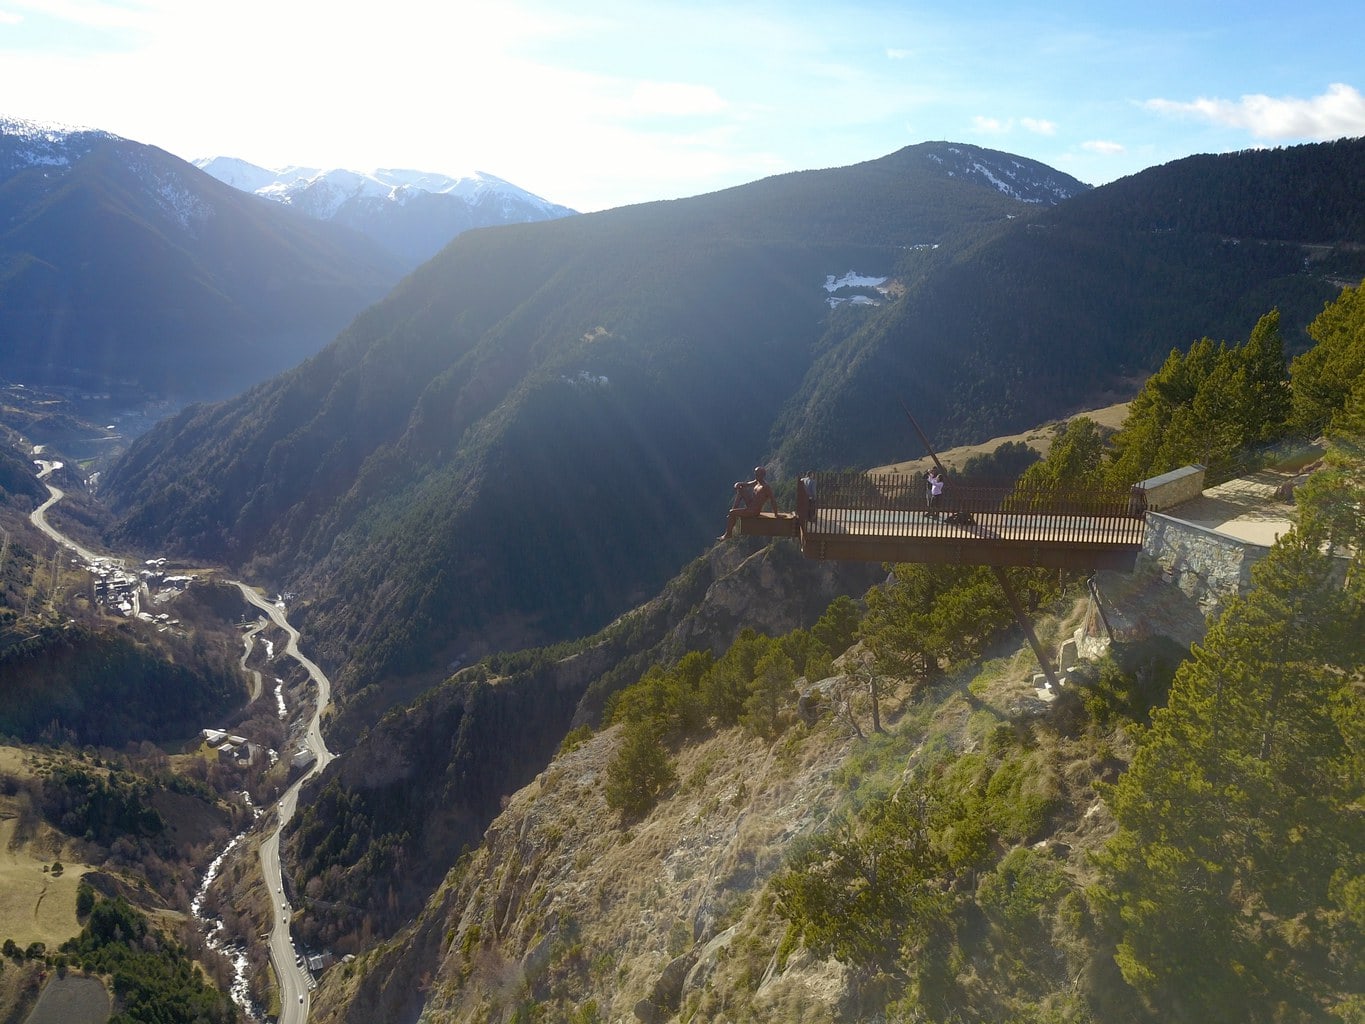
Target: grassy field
(36,905)
(1039,439)
(74,999)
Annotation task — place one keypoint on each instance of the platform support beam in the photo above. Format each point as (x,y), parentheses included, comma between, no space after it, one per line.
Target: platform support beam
(1027,627)
(1099,605)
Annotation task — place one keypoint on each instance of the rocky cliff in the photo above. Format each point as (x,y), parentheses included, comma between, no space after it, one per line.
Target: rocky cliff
(570,911)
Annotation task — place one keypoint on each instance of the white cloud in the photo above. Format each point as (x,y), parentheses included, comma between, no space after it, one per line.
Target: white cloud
(1038,126)
(999,126)
(674,99)
(10,18)
(85,13)
(1103,147)
(1336,113)
(898,54)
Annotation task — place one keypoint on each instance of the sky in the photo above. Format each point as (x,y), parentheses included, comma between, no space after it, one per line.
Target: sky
(599,103)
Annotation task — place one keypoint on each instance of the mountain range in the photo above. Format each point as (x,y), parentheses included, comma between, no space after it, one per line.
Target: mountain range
(527,441)
(127,272)
(125,269)
(539,427)
(412,214)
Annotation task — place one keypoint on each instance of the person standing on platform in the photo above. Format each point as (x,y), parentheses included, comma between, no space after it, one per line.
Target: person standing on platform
(935,485)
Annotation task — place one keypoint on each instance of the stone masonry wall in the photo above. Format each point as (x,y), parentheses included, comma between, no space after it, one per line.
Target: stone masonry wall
(1208,567)
(1172,488)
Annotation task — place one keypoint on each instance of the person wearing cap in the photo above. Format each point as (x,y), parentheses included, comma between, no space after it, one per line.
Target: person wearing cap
(750,497)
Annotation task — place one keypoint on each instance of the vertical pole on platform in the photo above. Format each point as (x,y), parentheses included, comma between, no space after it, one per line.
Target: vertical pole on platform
(1027,627)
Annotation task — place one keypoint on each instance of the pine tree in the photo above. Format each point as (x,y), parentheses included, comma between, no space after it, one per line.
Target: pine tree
(1266,400)
(640,771)
(1324,375)
(1240,838)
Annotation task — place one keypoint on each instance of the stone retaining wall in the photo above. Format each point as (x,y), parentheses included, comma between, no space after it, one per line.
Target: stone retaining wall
(1208,567)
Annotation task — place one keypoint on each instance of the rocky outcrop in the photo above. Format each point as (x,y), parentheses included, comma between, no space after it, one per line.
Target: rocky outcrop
(425,781)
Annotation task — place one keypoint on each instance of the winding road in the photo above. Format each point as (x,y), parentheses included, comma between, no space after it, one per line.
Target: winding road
(38,517)
(295,983)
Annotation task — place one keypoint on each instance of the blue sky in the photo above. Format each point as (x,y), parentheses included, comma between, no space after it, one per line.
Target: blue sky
(601,104)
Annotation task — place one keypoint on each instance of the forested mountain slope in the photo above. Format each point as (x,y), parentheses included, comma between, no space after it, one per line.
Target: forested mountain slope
(539,427)
(1173,836)
(125,269)
(1087,296)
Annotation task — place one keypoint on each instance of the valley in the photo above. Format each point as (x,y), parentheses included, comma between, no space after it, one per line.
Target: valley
(58,888)
(594,766)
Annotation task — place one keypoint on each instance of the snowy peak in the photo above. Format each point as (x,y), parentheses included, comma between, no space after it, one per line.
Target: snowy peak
(25,143)
(294,184)
(412,213)
(1026,180)
(247,177)
(58,150)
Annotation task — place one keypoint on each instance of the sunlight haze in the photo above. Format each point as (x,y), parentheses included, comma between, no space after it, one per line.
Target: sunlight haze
(603,104)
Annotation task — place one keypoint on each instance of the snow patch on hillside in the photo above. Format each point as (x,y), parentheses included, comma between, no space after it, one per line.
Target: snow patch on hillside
(45,144)
(1023,180)
(850,283)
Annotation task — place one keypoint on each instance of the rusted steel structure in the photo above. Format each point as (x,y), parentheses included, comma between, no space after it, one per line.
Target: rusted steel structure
(888,517)
(885,517)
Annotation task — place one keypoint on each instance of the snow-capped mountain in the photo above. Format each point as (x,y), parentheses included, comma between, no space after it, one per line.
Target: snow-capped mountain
(1015,176)
(124,268)
(25,143)
(412,213)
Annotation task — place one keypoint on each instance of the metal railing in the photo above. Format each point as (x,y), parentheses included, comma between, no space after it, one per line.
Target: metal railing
(897,505)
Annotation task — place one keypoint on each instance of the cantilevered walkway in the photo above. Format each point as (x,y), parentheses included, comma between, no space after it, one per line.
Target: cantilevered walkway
(885,518)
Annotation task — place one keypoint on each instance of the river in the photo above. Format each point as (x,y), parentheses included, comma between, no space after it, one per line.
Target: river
(295,983)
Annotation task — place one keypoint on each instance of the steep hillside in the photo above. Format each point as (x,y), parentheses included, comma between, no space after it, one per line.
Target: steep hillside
(619,370)
(125,269)
(573,908)
(1175,836)
(383,824)
(1070,309)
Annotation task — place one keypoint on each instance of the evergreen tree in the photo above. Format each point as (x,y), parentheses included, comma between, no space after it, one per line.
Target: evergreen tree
(1206,406)
(640,771)
(726,686)
(773,676)
(1234,879)
(1332,501)
(867,891)
(1265,406)
(1075,460)
(838,626)
(1325,374)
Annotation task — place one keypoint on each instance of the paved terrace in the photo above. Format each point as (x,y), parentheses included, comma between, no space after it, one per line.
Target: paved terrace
(1249,508)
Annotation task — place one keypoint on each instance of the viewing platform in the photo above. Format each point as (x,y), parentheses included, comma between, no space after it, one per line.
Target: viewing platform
(885,517)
